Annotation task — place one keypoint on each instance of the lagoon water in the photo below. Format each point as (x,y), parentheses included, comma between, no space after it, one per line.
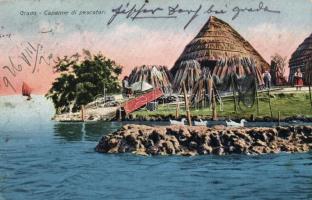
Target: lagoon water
(42,159)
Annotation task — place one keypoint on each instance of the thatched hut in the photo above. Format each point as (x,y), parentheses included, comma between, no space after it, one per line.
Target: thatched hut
(188,73)
(217,41)
(157,76)
(300,58)
(233,74)
(202,91)
(308,72)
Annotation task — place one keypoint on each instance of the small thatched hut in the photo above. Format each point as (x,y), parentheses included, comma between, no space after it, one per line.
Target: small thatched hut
(216,41)
(300,58)
(157,76)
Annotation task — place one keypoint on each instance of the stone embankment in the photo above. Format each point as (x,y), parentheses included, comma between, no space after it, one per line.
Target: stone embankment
(189,141)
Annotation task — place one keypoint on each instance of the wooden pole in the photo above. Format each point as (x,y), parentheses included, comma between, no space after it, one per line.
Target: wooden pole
(279,118)
(210,88)
(310,80)
(82,113)
(212,95)
(203,101)
(204,104)
(234,96)
(270,103)
(214,106)
(177,108)
(257,98)
(188,114)
(120,114)
(310,94)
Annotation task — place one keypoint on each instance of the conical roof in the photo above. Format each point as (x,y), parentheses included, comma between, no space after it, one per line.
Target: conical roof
(302,54)
(218,40)
(157,76)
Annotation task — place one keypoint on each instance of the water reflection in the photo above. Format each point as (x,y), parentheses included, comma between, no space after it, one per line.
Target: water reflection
(92,131)
(84,131)
(68,131)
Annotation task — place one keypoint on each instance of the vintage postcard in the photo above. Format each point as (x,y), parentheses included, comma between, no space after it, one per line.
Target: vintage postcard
(155,99)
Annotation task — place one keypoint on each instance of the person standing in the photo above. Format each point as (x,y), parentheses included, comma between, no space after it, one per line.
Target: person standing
(298,79)
(267,79)
(126,87)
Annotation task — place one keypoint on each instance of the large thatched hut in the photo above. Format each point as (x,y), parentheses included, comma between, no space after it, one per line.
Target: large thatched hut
(217,41)
(300,58)
(188,73)
(157,76)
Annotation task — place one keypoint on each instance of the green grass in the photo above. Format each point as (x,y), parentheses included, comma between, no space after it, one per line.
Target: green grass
(287,104)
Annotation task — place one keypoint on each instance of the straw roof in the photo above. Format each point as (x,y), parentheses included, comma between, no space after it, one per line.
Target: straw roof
(233,73)
(189,72)
(307,77)
(218,40)
(202,89)
(302,54)
(240,67)
(301,57)
(157,76)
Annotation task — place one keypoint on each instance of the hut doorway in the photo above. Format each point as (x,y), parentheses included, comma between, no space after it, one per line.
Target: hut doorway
(208,64)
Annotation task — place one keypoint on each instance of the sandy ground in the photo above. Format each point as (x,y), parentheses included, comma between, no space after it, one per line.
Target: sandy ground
(91,114)
(293,90)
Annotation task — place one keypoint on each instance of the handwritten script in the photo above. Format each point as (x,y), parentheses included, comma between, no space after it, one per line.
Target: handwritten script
(147,11)
(30,57)
(137,12)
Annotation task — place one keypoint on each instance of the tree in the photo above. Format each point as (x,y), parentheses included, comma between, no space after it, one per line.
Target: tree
(81,80)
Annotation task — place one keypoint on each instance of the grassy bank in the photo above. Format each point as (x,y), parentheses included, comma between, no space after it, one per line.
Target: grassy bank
(288,105)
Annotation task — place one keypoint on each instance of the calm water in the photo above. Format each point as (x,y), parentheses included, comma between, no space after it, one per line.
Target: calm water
(41,159)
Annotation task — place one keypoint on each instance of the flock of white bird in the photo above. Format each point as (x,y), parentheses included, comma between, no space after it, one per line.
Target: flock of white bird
(229,123)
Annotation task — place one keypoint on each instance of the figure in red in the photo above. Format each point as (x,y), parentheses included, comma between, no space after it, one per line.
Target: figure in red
(298,79)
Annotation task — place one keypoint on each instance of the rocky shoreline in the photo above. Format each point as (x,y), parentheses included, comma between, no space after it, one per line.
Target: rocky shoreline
(250,119)
(219,140)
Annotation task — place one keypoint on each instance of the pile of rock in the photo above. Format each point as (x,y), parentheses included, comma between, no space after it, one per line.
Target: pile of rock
(185,140)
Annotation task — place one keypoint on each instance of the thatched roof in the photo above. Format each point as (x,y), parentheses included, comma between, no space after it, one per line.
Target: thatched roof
(188,73)
(308,72)
(218,40)
(302,53)
(238,74)
(157,76)
(240,67)
(202,89)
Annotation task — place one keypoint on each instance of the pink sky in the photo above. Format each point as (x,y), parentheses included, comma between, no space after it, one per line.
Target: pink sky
(130,46)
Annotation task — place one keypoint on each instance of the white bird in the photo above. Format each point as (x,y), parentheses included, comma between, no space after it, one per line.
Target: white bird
(235,124)
(200,123)
(175,122)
